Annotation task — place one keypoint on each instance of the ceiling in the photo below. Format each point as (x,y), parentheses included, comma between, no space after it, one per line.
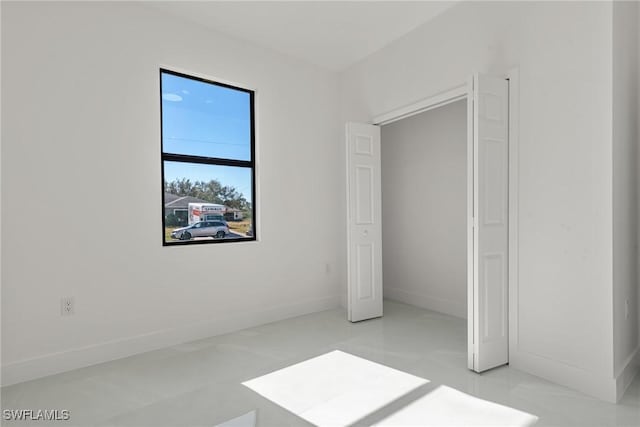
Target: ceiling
(331,34)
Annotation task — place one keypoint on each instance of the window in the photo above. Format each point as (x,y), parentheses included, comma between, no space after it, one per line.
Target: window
(208,161)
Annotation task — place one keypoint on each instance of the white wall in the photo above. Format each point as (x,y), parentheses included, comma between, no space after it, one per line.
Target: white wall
(81,189)
(424,213)
(638,179)
(1,274)
(625,190)
(564,321)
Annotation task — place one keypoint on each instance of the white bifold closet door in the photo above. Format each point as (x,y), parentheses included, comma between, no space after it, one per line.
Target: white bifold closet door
(488,189)
(364,230)
(488,261)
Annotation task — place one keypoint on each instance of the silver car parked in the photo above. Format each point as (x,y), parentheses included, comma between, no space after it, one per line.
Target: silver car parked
(217,229)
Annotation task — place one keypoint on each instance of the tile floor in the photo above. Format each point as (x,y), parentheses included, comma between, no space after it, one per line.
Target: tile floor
(199,383)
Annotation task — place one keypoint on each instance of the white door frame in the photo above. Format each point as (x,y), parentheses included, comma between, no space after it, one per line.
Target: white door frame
(438,100)
(457,93)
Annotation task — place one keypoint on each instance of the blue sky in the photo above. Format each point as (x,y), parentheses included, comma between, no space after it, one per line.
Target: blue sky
(203,119)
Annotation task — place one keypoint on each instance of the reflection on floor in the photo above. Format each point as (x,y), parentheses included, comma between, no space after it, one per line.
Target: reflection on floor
(200,383)
(339,389)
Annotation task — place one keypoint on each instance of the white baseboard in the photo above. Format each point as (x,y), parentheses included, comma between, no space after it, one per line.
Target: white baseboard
(601,387)
(54,363)
(453,308)
(627,373)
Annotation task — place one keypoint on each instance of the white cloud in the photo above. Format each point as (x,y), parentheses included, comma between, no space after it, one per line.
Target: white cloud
(171,97)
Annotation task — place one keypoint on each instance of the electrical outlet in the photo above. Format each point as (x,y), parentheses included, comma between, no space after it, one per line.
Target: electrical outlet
(67,306)
(626,309)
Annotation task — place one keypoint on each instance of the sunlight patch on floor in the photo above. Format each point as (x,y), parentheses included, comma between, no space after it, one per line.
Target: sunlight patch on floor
(445,406)
(334,389)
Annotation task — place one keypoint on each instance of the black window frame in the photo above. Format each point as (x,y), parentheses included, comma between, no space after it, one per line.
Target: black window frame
(217,161)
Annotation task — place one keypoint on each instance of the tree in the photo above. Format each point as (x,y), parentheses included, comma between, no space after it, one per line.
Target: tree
(212,191)
(232,198)
(172,220)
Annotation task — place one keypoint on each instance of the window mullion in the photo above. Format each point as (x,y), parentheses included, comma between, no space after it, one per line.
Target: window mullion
(206,160)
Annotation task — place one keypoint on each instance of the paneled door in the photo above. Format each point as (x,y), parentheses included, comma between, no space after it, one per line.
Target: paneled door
(488,234)
(364,234)
(488,261)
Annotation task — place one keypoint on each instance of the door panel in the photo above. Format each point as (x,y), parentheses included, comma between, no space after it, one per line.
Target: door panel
(364,232)
(490,232)
(364,194)
(365,277)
